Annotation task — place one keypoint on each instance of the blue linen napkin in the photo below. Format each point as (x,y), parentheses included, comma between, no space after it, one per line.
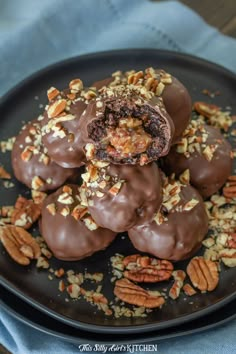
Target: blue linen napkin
(34,34)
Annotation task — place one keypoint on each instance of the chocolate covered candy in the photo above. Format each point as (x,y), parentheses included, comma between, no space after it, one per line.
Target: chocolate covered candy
(60,124)
(121,196)
(68,228)
(32,164)
(126,125)
(176,98)
(205,153)
(178,228)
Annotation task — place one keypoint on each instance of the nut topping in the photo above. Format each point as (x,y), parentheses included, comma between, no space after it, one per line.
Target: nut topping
(56,108)
(133,294)
(37,183)
(203,274)
(19,244)
(146,269)
(76,85)
(52,93)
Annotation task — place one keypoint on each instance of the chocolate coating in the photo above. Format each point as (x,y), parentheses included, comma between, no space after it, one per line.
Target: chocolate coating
(179,236)
(137,199)
(176,98)
(125,128)
(30,159)
(70,239)
(62,137)
(178,104)
(207,176)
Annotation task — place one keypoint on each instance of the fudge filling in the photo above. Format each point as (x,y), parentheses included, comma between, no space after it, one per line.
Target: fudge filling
(127,132)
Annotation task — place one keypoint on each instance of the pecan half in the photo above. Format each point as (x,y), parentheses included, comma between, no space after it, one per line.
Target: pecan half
(26,212)
(133,294)
(146,269)
(203,274)
(19,244)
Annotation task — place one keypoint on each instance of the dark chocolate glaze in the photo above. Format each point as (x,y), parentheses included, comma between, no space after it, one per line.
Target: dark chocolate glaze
(51,173)
(65,152)
(136,202)
(177,238)
(105,114)
(176,99)
(70,239)
(206,176)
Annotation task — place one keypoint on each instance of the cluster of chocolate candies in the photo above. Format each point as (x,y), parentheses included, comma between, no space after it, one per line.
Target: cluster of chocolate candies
(125,130)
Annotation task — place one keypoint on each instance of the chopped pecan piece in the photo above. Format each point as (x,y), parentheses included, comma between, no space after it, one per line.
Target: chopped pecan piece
(231,241)
(56,108)
(26,212)
(38,197)
(133,294)
(189,290)
(4,174)
(52,93)
(146,269)
(228,257)
(20,245)
(179,276)
(205,109)
(203,274)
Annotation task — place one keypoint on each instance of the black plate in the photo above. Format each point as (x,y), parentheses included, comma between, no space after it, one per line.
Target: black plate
(40,321)
(22,104)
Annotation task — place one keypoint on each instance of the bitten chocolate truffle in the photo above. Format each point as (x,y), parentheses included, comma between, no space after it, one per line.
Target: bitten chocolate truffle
(60,124)
(176,98)
(121,196)
(178,228)
(68,228)
(31,163)
(205,153)
(126,126)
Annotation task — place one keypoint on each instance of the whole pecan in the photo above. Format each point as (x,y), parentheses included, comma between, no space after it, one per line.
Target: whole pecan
(146,269)
(133,294)
(26,212)
(19,244)
(203,274)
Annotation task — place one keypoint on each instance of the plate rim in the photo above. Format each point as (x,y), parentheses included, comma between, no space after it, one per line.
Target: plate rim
(93,327)
(152,336)
(180,55)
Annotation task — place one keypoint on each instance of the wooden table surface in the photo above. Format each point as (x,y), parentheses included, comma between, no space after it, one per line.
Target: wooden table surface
(218,13)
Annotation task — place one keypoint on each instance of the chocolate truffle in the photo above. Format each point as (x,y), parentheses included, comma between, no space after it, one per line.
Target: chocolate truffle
(60,124)
(178,228)
(121,196)
(68,228)
(176,98)
(126,125)
(31,163)
(205,153)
